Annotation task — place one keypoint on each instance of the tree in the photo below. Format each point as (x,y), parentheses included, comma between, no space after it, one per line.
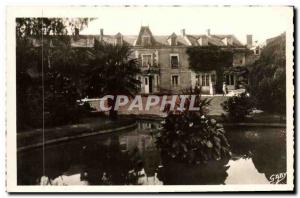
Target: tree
(112,72)
(46,83)
(268,77)
(49,26)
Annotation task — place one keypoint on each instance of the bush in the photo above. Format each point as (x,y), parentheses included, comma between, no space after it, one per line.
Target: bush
(59,100)
(191,137)
(238,107)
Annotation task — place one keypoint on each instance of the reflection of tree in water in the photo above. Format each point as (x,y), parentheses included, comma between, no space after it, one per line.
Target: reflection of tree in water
(109,165)
(99,161)
(267,148)
(30,164)
(269,157)
(241,147)
(29,169)
(175,173)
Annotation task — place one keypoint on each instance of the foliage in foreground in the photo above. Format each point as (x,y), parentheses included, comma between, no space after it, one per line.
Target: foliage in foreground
(191,137)
(238,107)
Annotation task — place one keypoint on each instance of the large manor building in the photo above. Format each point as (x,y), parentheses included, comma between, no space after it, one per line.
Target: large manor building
(165,63)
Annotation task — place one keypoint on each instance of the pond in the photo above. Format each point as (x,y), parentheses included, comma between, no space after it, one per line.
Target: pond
(131,158)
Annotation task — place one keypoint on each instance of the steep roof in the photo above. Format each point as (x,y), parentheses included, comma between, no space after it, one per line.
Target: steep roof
(157,40)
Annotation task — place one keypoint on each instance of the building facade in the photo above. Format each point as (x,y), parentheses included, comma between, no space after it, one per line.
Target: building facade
(164,61)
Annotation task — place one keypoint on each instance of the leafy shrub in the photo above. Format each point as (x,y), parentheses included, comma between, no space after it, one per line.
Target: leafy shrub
(190,136)
(238,107)
(60,104)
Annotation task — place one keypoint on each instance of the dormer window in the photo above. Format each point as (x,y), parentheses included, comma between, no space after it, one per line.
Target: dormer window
(146,40)
(118,39)
(256,51)
(172,40)
(145,37)
(203,41)
(227,41)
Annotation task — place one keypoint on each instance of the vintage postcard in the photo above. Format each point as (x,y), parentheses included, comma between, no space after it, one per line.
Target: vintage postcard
(150,99)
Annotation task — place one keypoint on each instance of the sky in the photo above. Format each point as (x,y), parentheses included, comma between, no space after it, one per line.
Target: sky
(261,22)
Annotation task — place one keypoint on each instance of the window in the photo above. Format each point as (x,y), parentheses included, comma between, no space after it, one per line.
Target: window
(146,40)
(257,51)
(175,80)
(198,79)
(174,61)
(146,60)
(213,78)
(203,81)
(229,79)
(146,80)
(173,41)
(140,79)
(207,79)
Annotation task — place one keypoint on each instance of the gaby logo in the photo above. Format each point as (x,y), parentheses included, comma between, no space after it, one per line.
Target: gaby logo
(170,102)
(277,178)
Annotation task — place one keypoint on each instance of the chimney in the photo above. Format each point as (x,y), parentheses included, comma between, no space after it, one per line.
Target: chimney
(101,34)
(183,32)
(208,32)
(249,41)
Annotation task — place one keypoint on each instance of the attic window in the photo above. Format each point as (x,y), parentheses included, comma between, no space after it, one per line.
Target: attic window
(203,41)
(118,41)
(146,40)
(227,41)
(173,41)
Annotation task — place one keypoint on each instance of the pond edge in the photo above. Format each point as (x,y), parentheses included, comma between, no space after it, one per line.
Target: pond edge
(83,135)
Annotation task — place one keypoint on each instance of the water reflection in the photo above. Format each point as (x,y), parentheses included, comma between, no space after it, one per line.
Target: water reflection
(265,148)
(131,158)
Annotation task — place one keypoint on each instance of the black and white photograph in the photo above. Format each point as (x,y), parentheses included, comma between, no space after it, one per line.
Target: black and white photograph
(150,99)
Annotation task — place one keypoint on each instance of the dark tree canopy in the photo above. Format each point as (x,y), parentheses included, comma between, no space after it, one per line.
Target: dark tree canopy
(112,71)
(268,77)
(48,74)
(209,58)
(49,26)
